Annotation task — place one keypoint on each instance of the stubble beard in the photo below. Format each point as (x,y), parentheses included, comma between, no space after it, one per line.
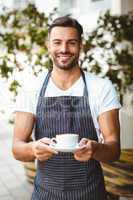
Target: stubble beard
(67,66)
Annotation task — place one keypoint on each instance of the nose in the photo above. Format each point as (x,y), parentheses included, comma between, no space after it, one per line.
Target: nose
(64,48)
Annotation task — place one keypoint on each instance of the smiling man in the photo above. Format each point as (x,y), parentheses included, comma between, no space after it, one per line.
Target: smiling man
(64,48)
(68,100)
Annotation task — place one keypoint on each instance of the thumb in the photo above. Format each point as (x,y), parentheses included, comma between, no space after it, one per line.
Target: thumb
(83,141)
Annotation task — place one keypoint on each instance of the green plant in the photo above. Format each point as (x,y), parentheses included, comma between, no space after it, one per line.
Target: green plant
(108,50)
(23,34)
(110,47)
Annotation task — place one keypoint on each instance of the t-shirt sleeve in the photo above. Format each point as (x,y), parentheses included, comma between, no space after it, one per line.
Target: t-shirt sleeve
(108,98)
(27,98)
(25,101)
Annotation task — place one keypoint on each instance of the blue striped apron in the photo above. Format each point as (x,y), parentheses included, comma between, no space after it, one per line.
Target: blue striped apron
(62,177)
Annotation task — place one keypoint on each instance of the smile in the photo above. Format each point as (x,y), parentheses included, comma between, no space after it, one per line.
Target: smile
(64,56)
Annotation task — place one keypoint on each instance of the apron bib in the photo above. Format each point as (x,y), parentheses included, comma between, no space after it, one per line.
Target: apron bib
(62,177)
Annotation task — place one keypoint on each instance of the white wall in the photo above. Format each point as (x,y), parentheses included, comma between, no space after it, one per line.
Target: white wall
(89,11)
(126,121)
(14,4)
(7,3)
(127,6)
(122,6)
(46,6)
(116,7)
(86,11)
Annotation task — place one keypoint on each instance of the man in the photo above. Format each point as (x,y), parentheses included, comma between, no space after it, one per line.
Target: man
(68,101)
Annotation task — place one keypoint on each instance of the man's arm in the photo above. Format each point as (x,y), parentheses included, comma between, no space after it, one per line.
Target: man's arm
(25,150)
(22,146)
(110,128)
(110,149)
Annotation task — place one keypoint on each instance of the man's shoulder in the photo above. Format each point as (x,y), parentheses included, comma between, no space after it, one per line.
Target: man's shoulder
(34,83)
(95,82)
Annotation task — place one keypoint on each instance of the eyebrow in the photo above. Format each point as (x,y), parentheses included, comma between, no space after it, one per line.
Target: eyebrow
(76,40)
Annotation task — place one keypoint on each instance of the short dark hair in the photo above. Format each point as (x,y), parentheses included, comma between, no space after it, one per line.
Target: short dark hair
(67,21)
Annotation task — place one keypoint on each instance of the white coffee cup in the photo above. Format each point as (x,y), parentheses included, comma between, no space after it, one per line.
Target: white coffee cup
(67,140)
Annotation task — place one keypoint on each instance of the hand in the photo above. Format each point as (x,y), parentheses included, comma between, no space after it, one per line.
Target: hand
(41,149)
(86,151)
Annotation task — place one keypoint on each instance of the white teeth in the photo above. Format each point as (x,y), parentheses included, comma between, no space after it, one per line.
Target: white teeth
(64,56)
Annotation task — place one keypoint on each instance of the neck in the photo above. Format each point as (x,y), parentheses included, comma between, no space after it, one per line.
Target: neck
(64,79)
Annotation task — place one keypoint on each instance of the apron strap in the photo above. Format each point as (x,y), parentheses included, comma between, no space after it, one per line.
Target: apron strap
(85,86)
(85,93)
(45,83)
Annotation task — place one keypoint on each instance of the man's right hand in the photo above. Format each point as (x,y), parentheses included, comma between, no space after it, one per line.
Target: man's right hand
(41,149)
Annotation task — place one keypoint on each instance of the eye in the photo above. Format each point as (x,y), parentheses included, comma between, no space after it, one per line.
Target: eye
(73,43)
(56,43)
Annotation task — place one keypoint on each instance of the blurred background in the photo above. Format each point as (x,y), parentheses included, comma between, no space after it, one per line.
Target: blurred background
(107,52)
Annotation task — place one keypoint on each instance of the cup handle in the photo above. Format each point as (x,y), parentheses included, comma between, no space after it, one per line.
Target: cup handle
(53,141)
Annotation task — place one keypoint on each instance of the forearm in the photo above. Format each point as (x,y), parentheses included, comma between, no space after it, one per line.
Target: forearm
(106,152)
(23,151)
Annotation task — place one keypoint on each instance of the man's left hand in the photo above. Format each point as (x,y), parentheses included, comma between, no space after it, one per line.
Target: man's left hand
(86,151)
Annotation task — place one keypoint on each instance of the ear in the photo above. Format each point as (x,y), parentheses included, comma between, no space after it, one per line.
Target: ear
(47,44)
(81,46)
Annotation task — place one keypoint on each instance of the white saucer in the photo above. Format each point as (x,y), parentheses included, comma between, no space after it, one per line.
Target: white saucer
(63,149)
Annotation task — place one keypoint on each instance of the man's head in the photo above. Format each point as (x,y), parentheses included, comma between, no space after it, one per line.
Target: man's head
(65,42)
(67,21)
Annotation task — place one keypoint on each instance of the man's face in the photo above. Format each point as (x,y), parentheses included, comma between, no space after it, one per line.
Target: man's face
(64,46)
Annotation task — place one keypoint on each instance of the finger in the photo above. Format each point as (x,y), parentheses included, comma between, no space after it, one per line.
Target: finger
(80,149)
(85,151)
(52,150)
(45,140)
(41,146)
(82,155)
(46,152)
(44,148)
(49,149)
(43,158)
(83,141)
(81,159)
(85,147)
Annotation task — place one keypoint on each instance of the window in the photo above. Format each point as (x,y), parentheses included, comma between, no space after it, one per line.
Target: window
(67,7)
(21,3)
(96,0)
(86,11)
